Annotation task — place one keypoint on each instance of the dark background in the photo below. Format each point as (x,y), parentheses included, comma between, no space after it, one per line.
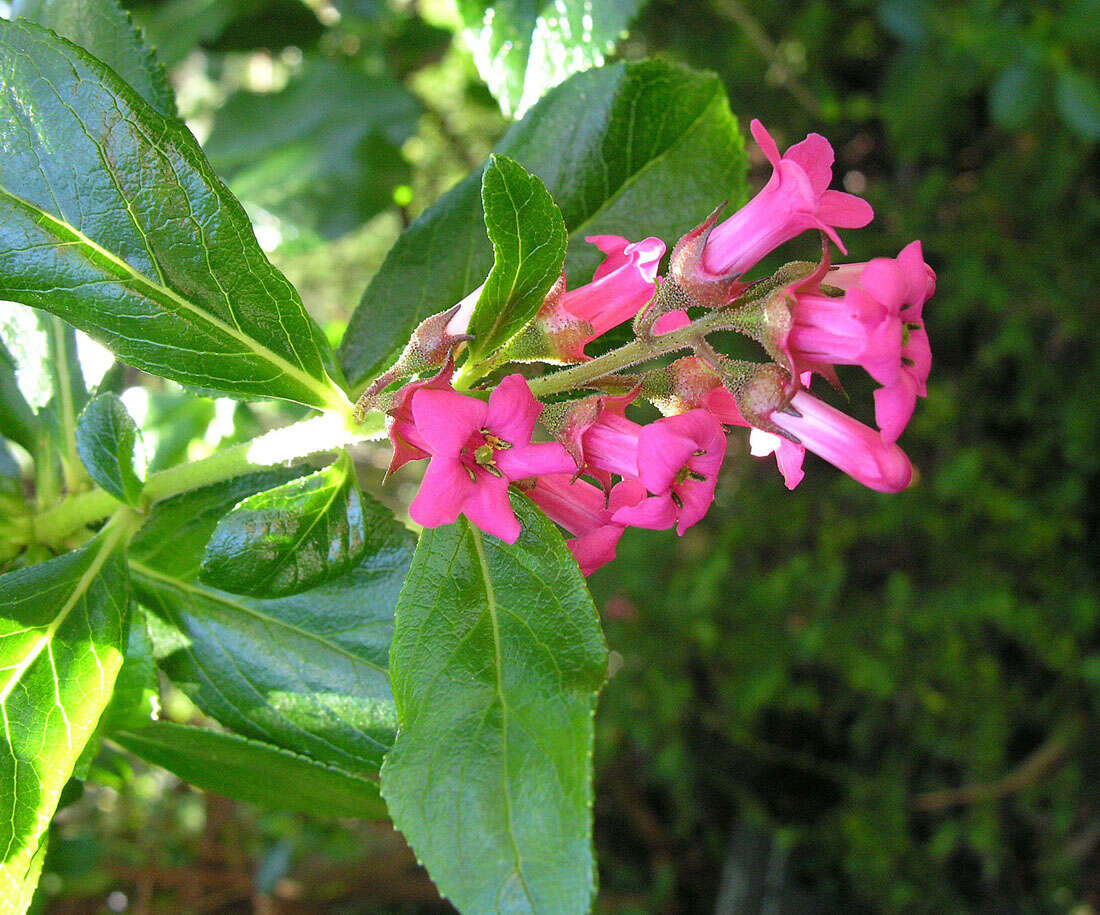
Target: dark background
(825,700)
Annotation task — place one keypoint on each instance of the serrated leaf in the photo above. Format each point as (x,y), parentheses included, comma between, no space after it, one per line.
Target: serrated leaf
(529,240)
(228,764)
(111,218)
(294,537)
(62,630)
(496,663)
(136,698)
(307,672)
(323,168)
(635,149)
(107,440)
(105,30)
(524,49)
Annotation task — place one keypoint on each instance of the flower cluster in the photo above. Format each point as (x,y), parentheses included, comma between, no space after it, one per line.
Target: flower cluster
(602,471)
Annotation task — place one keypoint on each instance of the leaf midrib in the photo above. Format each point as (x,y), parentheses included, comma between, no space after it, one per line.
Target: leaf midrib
(491,605)
(167,297)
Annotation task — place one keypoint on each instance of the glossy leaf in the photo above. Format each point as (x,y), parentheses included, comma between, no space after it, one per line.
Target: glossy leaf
(174,536)
(108,442)
(111,218)
(322,168)
(496,663)
(104,29)
(529,240)
(136,699)
(633,149)
(229,764)
(62,630)
(307,672)
(524,49)
(294,537)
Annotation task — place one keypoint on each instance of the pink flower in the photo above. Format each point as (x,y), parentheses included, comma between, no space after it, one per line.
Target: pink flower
(676,458)
(846,443)
(887,295)
(476,450)
(408,444)
(795,199)
(584,510)
(622,284)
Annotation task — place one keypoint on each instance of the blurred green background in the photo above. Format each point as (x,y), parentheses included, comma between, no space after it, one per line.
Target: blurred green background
(823,701)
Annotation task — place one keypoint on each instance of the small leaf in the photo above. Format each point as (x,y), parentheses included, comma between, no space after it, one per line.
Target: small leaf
(323,168)
(496,663)
(1015,95)
(229,764)
(17,419)
(108,442)
(523,49)
(147,251)
(292,538)
(62,630)
(307,672)
(529,240)
(1078,98)
(104,30)
(633,149)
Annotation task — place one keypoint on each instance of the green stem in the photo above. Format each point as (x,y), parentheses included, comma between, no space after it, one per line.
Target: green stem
(282,446)
(638,351)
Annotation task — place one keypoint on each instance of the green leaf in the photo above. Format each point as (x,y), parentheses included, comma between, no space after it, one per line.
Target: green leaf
(1078,98)
(228,764)
(105,30)
(146,250)
(496,663)
(305,672)
(136,699)
(17,419)
(529,239)
(523,49)
(1015,95)
(107,440)
(62,629)
(634,149)
(295,537)
(174,536)
(323,167)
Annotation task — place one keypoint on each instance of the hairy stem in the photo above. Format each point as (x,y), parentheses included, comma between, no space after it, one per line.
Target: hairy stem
(282,446)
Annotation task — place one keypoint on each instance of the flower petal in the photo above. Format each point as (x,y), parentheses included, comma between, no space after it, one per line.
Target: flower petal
(513,411)
(657,513)
(446,488)
(446,419)
(521,461)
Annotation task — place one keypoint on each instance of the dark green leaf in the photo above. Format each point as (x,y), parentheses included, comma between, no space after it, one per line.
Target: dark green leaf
(145,250)
(305,672)
(230,764)
(322,155)
(294,537)
(496,663)
(529,240)
(175,27)
(175,535)
(17,419)
(524,49)
(62,629)
(633,149)
(105,30)
(1078,98)
(107,441)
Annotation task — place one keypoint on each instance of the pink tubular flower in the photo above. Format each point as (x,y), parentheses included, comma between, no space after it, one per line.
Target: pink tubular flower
(584,510)
(846,443)
(476,450)
(888,296)
(622,284)
(676,458)
(795,199)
